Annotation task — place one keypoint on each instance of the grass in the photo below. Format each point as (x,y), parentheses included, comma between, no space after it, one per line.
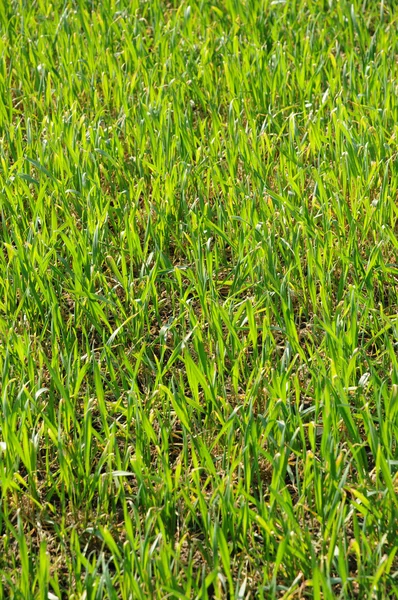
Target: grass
(198,299)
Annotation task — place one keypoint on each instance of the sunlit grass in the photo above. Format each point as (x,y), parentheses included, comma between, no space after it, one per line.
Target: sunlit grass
(198,299)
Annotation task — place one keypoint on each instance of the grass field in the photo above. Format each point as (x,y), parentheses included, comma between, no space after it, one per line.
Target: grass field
(198,299)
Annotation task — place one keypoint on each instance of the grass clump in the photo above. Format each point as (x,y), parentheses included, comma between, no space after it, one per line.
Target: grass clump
(198,299)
